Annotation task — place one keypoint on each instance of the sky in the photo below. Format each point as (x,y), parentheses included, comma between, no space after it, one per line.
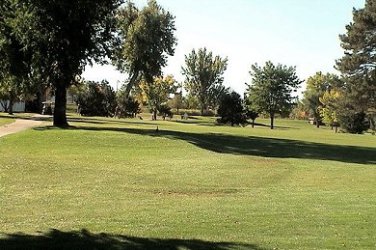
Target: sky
(301,33)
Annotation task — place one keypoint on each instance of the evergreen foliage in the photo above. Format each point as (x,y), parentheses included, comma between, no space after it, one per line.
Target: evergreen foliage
(358,65)
(231,110)
(98,99)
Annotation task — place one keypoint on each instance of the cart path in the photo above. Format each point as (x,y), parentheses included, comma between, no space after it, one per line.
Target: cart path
(22,124)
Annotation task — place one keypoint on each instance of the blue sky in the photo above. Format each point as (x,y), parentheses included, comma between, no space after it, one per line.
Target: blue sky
(301,33)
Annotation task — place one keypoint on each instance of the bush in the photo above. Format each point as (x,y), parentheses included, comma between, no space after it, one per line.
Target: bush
(355,123)
(127,107)
(231,110)
(98,99)
(165,111)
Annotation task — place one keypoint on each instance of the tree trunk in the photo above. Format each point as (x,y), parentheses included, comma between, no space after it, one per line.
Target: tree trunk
(154,115)
(10,107)
(317,124)
(202,111)
(130,84)
(272,121)
(253,123)
(60,116)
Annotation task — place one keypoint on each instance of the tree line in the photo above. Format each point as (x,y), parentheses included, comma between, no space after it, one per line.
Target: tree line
(49,44)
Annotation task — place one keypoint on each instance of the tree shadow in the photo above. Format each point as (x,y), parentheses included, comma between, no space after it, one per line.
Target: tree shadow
(85,240)
(134,121)
(257,146)
(196,122)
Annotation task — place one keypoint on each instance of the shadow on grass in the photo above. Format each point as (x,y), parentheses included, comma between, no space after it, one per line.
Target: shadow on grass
(84,240)
(196,122)
(135,121)
(256,146)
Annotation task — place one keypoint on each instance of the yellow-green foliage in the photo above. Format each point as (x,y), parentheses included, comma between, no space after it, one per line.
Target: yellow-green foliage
(329,100)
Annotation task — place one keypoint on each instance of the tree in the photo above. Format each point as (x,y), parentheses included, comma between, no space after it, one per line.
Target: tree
(203,75)
(216,94)
(317,85)
(99,99)
(358,65)
(271,88)
(14,60)
(231,109)
(158,92)
(250,112)
(330,101)
(146,39)
(191,102)
(126,106)
(165,111)
(177,101)
(65,36)
(299,112)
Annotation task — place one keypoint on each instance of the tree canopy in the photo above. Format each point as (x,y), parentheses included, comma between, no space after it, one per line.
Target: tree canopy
(64,37)
(15,58)
(316,86)
(271,88)
(204,76)
(146,39)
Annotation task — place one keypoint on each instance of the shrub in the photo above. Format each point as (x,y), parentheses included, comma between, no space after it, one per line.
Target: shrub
(165,111)
(127,107)
(355,123)
(231,110)
(98,99)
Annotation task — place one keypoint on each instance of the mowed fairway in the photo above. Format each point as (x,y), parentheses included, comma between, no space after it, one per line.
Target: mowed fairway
(192,185)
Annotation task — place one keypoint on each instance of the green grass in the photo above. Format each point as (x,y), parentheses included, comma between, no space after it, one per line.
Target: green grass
(192,185)
(5,119)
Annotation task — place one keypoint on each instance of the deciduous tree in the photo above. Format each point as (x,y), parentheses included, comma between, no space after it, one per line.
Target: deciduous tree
(146,40)
(15,58)
(65,36)
(158,92)
(204,75)
(272,87)
(316,86)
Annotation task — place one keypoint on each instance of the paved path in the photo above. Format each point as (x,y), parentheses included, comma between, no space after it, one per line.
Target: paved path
(21,124)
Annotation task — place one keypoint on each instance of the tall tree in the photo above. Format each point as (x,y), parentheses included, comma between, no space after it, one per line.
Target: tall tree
(203,75)
(65,36)
(271,88)
(146,40)
(358,65)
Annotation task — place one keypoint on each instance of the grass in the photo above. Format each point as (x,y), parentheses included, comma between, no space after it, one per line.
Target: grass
(5,119)
(118,184)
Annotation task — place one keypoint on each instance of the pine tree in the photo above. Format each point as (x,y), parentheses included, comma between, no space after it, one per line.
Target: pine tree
(358,65)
